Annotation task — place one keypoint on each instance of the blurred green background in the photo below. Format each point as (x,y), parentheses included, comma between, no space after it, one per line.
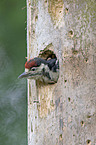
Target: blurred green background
(13,98)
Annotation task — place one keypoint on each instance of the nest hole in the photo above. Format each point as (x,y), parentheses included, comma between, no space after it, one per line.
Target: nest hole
(47,54)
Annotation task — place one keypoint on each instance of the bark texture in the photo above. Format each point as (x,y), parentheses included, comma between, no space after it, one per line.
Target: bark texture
(63,113)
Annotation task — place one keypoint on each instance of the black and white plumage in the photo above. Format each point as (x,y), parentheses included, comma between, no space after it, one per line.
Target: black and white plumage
(43,70)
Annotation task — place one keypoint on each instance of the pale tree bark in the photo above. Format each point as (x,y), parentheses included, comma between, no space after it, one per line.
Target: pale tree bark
(63,113)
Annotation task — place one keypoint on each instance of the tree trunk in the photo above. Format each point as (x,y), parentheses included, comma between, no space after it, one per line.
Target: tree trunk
(63,113)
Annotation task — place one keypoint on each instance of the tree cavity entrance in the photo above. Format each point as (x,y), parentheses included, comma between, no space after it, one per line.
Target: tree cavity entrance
(47,53)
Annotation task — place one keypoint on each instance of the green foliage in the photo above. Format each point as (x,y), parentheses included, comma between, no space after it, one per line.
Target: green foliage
(12,59)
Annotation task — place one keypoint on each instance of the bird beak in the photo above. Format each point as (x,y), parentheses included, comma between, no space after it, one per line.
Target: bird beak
(23,75)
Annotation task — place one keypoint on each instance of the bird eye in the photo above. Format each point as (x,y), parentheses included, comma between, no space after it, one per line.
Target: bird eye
(33,69)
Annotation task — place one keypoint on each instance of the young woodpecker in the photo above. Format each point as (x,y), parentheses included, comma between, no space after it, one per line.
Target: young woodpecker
(43,70)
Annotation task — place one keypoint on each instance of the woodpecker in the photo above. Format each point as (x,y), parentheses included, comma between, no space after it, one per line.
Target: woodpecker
(46,71)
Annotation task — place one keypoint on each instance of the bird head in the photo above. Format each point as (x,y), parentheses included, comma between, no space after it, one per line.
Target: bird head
(33,68)
(43,70)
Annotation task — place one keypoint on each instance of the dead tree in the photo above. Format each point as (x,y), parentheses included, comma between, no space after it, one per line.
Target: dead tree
(63,113)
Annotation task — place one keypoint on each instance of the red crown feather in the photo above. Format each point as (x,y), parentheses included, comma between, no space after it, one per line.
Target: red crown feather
(30,63)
